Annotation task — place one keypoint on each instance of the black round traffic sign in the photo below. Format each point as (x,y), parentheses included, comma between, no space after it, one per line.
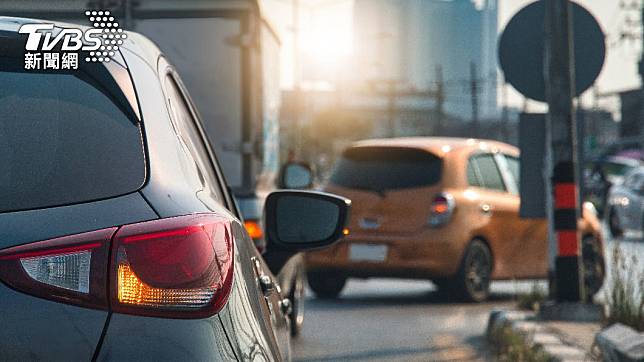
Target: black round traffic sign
(521,50)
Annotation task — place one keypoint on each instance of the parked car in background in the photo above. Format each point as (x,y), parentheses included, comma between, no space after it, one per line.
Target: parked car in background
(291,275)
(603,173)
(119,237)
(441,209)
(625,207)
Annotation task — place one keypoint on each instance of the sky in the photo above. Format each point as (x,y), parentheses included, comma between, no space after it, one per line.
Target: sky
(328,24)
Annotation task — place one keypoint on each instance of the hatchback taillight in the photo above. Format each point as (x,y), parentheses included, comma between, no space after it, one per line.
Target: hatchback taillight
(441,209)
(178,267)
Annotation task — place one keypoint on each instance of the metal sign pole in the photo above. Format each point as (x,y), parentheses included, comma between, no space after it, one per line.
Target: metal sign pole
(560,80)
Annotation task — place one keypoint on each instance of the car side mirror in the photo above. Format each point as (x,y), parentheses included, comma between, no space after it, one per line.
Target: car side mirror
(296,175)
(302,220)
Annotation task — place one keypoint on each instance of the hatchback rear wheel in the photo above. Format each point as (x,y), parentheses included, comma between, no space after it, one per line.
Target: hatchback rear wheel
(474,276)
(594,268)
(613,224)
(326,285)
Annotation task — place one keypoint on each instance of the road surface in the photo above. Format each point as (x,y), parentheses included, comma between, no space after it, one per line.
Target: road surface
(398,320)
(401,320)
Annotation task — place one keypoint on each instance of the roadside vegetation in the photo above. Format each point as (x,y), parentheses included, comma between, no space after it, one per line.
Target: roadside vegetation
(625,296)
(532,300)
(511,346)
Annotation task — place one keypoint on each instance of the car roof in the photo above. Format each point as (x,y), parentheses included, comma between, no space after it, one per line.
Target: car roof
(440,146)
(627,161)
(135,42)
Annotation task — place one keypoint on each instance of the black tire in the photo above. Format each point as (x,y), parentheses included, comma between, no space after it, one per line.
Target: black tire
(594,266)
(297,298)
(444,284)
(613,224)
(472,282)
(326,285)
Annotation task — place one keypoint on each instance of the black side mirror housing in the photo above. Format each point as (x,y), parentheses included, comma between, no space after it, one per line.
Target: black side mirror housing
(303,220)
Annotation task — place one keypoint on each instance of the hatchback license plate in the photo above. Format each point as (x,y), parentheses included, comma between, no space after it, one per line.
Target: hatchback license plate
(367,252)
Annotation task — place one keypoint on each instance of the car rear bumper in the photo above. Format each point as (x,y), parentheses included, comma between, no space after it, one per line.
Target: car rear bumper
(425,255)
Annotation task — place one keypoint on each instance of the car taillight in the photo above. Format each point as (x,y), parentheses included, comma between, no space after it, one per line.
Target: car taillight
(180,267)
(70,269)
(254,229)
(441,209)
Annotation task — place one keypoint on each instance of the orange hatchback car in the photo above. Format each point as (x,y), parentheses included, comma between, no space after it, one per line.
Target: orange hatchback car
(441,209)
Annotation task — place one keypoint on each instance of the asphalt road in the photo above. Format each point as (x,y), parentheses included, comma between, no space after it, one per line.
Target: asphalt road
(398,320)
(401,320)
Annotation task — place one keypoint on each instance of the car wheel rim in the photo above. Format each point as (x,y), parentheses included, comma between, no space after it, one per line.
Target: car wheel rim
(478,274)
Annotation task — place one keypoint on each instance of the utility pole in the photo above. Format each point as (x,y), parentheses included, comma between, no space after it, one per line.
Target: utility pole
(297,91)
(563,138)
(474,92)
(391,107)
(128,14)
(505,118)
(440,101)
(641,71)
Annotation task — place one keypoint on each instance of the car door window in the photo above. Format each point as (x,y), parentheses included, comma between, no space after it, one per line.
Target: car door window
(514,167)
(630,181)
(473,178)
(488,171)
(190,135)
(510,170)
(638,183)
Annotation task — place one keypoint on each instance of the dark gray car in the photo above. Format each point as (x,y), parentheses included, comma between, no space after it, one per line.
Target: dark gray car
(626,206)
(119,239)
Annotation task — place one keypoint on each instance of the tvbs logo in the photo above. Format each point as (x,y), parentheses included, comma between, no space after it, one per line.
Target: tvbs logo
(101,42)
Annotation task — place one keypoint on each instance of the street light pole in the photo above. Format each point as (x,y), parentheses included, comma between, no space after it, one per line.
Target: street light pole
(559,77)
(474,94)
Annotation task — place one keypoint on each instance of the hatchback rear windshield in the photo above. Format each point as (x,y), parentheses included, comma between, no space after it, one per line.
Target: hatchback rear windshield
(386,168)
(63,140)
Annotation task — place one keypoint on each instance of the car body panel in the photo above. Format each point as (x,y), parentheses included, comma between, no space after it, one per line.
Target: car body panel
(519,246)
(170,168)
(38,329)
(35,328)
(34,225)
(627,202)
(254,321)
(135,338)
(174,186)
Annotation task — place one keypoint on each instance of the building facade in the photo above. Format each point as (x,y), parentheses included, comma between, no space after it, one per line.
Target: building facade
(412,41)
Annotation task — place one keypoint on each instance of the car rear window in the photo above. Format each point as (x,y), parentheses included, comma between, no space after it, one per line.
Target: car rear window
(386,168)
(63,140)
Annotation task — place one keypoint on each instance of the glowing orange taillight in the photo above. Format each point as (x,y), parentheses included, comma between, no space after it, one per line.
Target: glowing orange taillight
(441,209)
(179,267)
(131,290)
(254,229)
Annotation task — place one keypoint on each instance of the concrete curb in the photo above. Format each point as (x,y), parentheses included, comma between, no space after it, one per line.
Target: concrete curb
(536,335)
(620,343)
